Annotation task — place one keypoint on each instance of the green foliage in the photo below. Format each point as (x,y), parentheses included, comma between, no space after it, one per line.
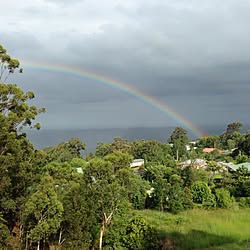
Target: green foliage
(179,139)
(211,141)
(190,175)
(232,137)
(159,176)
(79,224)
(14,109)
(119,144)
(210,202)
(187,199)
(16,152)
(139,235)
(200,192)
(4,233)
(244,202)
(153,152)
(223,198)
(241,182)
(175,202)
(65,151)
(233,127)
(179,134)
(200,228)
(42,193)
(8,65)
(42,214)
(244,145)
(241,159)
(119,160)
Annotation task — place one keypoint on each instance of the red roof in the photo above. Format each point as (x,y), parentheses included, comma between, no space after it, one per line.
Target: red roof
(209,150)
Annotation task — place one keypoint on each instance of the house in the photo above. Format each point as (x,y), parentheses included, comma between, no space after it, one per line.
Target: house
(137,163)
(233,167)
(210,150)
(138,166)
(196,163)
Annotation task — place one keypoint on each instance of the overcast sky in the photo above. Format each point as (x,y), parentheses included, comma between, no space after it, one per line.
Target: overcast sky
(192,55)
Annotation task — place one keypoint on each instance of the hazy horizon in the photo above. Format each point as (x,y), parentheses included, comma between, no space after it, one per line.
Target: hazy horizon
(91,136)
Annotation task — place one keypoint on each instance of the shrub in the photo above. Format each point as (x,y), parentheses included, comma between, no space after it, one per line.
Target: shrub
(200,192)
(4,234)
(244,202)
(140,235)
(210,202)
(223,198)
(187,199)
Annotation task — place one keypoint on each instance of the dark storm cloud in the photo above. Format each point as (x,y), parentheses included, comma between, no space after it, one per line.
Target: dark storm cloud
(191,55)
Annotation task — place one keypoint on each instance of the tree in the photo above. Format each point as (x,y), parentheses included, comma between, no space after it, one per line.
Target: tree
(179,139)
(16,151)
(176,197)
(139,235)
(65,151)
(232,137)
(241,182)
(213,167)
(200,192)
(223,198)
(8,65)
(233,127)
(190,175)
(153,151)
(42,214)
(119,160)
(103,194)
(4,233)
(211,141)
(244,146)
(179,134)
(159,177)
(119,144)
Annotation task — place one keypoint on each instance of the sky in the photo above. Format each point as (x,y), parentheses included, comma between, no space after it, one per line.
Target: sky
(191,55)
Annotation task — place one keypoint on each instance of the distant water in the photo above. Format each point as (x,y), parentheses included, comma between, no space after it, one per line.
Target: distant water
(51,137)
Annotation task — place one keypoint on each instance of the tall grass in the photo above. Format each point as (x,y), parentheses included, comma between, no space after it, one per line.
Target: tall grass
(199,229)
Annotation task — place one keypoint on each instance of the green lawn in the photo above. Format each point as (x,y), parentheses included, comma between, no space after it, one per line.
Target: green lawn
(202,229)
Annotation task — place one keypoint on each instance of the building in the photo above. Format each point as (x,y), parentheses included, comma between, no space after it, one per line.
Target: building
(196,163)
(138,166)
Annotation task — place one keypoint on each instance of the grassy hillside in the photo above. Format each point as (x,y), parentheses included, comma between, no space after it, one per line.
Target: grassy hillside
(201,229)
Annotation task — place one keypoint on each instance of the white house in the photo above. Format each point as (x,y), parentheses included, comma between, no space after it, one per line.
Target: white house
(137,163)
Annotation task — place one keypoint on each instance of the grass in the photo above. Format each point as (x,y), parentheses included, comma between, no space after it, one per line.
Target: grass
(202,229)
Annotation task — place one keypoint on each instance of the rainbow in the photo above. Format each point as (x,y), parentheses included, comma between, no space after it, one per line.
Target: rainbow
(130,90)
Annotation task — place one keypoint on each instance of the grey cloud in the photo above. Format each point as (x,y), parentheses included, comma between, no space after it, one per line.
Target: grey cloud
(20,43)
(193,56)
(64,2)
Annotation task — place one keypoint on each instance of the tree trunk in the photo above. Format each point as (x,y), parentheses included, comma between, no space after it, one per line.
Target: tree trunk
(38,245)
(161,205)
(101,235)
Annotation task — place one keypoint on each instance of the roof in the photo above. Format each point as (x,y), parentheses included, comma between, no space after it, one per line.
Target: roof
(234,167)
(137,163)
(209,150)
(193,161)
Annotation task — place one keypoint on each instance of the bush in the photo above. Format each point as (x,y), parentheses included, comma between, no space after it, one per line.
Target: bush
(200,192)
(4,234)
(244,202)
(140,235)
(188,199)
(223,198)
(210,202)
